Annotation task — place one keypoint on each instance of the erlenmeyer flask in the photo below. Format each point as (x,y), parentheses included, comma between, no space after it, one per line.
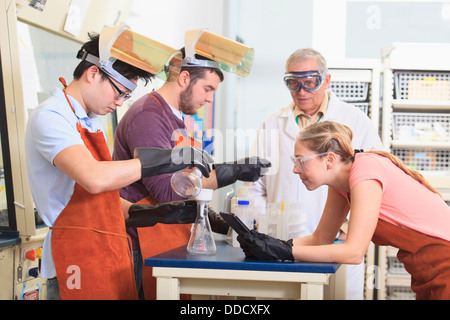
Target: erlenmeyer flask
(202,240)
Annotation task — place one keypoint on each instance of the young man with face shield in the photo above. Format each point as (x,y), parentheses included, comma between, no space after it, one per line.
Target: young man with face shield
(75,183)
(156,120)
(308,81)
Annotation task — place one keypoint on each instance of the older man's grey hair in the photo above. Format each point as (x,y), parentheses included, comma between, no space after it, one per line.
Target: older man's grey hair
(307,54)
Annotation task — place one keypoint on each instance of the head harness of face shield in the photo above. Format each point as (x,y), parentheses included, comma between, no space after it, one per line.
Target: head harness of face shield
(120,43)
(224,54)
(310,81)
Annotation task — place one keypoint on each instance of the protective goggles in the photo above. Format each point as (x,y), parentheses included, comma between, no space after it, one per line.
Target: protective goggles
(120,43)
(301,162)
(310,81)
(224,54)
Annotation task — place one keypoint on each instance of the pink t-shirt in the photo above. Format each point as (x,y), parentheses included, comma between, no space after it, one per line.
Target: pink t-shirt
(405,202)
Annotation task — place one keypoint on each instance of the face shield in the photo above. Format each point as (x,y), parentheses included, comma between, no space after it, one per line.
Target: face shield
(227,55)
(120,43)
(310,81)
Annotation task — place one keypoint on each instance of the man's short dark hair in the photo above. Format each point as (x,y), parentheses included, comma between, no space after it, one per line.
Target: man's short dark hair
(128,71)
(197,73)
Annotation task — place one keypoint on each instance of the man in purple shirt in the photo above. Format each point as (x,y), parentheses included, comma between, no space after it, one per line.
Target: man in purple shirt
(153,121)
(156,120)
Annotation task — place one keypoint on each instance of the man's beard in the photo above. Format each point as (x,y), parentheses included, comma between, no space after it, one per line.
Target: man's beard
(186,105)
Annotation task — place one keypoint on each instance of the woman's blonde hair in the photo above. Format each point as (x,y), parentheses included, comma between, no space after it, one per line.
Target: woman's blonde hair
(331,136)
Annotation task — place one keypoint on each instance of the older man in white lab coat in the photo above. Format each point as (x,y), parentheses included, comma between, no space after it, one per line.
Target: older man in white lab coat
(307,79)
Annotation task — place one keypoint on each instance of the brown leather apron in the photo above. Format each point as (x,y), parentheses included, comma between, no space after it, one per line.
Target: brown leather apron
(90,246)
(162,237)
(427,259)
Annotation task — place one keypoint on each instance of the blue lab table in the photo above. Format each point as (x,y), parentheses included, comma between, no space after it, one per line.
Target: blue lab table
(228,272)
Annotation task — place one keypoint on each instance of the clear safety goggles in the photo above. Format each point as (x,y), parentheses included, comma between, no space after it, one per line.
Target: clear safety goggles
(120,43)
(225,54)
(301,162)
(310,81)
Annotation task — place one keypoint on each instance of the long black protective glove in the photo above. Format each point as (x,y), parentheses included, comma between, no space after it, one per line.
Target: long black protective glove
(176,212)
(156,161)
(260,246)
(248,169)
(218,225)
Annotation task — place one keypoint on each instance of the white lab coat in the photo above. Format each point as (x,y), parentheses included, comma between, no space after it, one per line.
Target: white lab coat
(275,142)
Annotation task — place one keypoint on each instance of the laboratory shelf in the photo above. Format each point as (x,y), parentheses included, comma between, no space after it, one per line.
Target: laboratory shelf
(420,144)
(358,83)
(420,105)
(415,128)
(399,280)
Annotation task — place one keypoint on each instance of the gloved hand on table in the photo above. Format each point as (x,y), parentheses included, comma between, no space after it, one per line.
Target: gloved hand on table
(260,246)
(156,161)
(248,169)
(176,212)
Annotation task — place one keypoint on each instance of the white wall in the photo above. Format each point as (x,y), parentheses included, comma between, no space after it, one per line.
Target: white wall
(166,21)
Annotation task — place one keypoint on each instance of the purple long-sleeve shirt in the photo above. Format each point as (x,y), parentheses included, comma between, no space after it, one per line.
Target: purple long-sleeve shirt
(149,122)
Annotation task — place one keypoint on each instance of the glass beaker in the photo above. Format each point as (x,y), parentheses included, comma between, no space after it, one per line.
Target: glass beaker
(187,183)
(202,240)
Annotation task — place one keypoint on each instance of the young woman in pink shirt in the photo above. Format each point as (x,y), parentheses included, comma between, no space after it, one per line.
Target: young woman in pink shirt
(389,204)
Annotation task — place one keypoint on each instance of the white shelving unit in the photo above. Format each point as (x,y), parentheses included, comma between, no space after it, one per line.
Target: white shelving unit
(398,281)
(416,128)
(358,83)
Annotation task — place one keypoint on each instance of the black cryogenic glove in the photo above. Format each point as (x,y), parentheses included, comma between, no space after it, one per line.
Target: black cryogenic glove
(263,247)
(218,225)
(176,212)
(248,169)
(156,161)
